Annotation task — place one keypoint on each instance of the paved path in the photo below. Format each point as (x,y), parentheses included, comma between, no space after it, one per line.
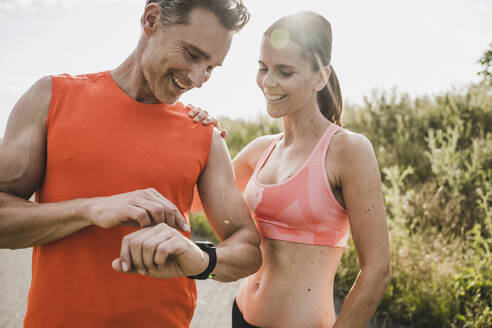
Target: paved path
(15,276)
(213,308)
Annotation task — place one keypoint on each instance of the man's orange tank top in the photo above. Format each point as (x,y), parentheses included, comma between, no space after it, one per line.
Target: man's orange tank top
(101,142)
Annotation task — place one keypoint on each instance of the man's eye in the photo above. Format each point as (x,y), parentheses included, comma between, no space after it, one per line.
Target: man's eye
(263,69)
(286,74)
(191,55)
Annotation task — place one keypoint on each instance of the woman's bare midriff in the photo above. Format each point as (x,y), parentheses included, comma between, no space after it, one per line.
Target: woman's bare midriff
(293,288)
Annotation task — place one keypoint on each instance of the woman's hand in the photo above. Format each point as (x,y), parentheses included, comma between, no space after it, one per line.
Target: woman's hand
(200,115)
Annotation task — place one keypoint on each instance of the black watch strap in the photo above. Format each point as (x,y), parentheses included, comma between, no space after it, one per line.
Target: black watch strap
(208,248)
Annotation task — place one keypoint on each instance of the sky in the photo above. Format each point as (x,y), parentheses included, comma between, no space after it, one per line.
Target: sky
(420,46)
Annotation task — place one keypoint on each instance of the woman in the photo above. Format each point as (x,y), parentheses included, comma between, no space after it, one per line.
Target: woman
(306,188)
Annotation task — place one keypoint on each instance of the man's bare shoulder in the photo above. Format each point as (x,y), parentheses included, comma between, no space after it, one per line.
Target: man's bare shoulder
(22,150)
(35,102)
(42,87)
(31,109)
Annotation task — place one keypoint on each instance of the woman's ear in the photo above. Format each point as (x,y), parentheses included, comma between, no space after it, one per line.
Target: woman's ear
(323,77)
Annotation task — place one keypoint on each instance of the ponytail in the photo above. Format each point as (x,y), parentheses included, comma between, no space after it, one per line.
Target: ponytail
(330,99)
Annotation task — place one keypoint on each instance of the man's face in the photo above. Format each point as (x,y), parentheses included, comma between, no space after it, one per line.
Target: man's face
(179,58)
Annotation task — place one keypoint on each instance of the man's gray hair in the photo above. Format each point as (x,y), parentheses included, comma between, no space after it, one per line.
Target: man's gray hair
(232,14)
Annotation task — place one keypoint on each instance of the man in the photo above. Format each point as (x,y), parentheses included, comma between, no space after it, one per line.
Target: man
(112,149)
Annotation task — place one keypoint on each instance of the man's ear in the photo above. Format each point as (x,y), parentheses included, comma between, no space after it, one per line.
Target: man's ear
(323,77)
(151,18)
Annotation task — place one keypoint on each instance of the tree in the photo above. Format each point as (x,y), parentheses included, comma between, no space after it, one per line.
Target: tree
(486,62)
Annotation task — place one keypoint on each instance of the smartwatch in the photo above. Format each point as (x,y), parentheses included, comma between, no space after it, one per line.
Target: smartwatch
(208,248)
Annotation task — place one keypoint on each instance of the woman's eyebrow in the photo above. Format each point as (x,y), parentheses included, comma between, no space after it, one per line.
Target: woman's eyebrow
(279,65)
(286,66)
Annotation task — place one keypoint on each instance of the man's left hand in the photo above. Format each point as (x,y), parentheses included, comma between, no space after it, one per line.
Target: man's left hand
(160,252)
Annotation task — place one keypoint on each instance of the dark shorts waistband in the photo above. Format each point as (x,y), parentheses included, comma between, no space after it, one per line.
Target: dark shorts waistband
(238,319)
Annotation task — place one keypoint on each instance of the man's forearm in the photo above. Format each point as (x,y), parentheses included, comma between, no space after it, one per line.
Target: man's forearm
(238,255)
(26,224)
(364,298)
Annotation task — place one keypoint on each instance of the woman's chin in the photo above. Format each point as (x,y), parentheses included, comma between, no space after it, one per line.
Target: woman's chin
(275,112)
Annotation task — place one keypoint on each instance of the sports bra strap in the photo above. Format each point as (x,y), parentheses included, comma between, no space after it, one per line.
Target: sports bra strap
(318,156)
(265,155)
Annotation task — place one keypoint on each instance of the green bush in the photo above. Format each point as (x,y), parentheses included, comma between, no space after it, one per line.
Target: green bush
(201,228)
(436,163)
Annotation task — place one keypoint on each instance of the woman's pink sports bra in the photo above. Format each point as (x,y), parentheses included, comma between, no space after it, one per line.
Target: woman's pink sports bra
(303,208)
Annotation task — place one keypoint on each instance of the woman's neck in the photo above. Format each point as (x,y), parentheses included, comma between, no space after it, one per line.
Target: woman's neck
(304,124)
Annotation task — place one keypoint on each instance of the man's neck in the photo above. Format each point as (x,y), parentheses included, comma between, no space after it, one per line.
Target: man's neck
(129,77)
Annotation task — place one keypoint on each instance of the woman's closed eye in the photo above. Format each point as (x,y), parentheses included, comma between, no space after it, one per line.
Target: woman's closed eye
(286,73)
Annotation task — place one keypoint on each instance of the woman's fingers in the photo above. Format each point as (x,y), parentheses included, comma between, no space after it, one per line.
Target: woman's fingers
(201,117)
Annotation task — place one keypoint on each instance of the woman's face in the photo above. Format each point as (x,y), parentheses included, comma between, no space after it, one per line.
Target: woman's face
(286,78)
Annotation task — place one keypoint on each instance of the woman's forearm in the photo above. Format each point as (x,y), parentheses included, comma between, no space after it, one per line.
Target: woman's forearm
(364,297)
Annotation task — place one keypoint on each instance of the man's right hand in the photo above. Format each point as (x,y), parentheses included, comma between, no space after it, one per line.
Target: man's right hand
(137,208)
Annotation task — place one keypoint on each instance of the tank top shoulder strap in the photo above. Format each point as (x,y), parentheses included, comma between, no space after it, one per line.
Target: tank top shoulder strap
(263,158)
(319,152)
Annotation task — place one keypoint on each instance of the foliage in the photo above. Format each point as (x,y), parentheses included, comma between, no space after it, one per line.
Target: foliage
(445,140)
(436,163)
(486,62)
(201,228)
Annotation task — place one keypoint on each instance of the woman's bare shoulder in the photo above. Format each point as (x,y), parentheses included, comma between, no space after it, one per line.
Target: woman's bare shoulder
(261,143)
(347,139)
(252,152)
(349,148)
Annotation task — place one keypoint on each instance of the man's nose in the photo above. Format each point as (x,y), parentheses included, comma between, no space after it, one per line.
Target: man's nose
(198,76)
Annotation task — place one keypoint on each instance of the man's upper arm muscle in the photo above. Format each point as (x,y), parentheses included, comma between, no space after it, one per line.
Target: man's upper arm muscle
(220,197)
(22,151)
